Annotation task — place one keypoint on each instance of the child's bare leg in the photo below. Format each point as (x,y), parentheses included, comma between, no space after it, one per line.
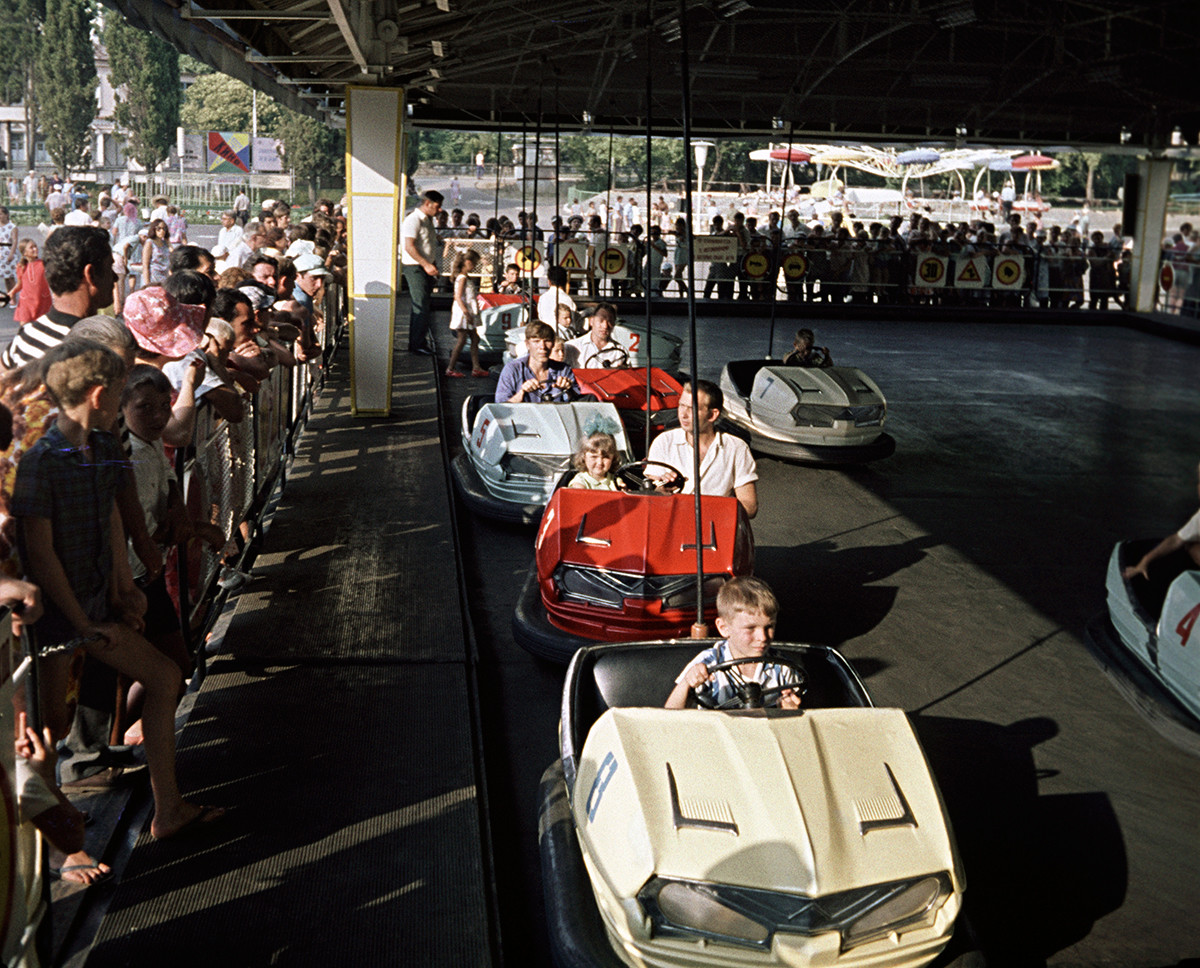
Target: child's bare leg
(53,678)
(129,653)
(475,350)
(458,345)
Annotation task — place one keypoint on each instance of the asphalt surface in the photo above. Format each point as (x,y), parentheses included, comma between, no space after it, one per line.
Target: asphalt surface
(957,576)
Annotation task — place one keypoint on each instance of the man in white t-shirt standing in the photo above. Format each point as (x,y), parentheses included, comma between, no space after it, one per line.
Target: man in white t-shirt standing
(418,257)
(726,465)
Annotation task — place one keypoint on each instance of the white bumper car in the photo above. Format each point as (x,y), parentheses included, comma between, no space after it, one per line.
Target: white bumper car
(515,454)
(740,837)
(1149,641)
(831,415)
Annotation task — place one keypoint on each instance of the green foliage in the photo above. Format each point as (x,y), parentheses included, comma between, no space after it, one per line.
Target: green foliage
(193,65)
(145,74)
(311,149)
(217,102)
(20,21)
(66,83)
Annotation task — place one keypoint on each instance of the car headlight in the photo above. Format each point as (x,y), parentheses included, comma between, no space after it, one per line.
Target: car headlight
(816,415)
(813,415)
(609,589)
(534,466)
(751,917)
(682,592)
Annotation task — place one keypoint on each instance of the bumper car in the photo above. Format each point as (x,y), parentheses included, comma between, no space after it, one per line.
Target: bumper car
(621,566)
(1148,641)
(625,389)
(744,836)
(833,415)
(664,351)
(499,313)
(515,454)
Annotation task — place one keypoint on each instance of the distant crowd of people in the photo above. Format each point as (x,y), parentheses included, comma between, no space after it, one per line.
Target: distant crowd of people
(833,258)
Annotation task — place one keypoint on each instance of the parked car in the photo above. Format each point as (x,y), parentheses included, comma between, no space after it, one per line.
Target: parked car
(515,454)
(740,837)
(830,415)
(621,566)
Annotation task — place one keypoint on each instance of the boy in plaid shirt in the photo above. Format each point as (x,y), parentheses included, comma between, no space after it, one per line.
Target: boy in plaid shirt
(73,546)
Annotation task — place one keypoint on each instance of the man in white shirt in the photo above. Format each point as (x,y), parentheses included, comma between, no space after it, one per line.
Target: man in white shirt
(598,350)
(555,295)
(228,236)
(55,199)
(79,215)
(726,464)
(419,247)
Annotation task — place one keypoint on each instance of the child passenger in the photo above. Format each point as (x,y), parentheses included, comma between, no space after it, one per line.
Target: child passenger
(1186,540)
(594,461)
(746,613)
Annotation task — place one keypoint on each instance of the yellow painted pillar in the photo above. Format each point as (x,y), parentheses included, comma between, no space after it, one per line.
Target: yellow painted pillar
(374,167)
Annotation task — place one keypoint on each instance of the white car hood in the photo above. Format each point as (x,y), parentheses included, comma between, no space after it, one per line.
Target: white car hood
(813,804)
(540,428)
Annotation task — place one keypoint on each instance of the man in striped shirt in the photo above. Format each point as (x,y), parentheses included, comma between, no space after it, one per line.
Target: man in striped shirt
(79,271)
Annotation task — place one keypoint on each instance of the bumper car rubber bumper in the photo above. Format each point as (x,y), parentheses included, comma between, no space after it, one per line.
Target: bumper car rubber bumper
(1140,689)
(475,495)
(882,446)
(577,935)
(532,628)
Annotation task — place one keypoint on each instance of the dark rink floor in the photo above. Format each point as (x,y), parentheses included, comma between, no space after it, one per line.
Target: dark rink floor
(958,576)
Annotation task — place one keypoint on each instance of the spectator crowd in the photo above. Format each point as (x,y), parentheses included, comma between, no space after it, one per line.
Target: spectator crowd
(137,334)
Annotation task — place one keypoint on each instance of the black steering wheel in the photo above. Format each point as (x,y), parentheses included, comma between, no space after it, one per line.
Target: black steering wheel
(634,475)
(751,695)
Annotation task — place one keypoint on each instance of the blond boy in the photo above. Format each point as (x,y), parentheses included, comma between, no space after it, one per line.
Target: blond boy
(746,613)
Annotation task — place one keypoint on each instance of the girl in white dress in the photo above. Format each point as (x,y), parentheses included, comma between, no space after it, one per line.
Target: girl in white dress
(464,316)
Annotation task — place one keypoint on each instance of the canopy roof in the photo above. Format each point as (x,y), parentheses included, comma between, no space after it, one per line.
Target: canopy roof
(1019,72)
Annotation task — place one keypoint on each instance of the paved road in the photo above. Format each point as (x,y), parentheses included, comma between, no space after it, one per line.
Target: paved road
(958,576)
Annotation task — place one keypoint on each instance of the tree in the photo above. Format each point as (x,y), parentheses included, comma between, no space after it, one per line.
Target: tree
(217,102)
(20,26)
(310,149)
(145,76)
(66,83)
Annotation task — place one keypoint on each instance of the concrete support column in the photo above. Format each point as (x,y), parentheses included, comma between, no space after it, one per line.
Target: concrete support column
(1154,179)
(374,139)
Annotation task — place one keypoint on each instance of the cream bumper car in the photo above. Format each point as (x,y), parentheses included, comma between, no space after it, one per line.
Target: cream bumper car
(831,415)
(740,837)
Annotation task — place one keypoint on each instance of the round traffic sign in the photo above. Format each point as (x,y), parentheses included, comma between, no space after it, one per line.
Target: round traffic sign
(756,265)
(931,269)
(528,258)
(795,266)
(1007,272)
(1166,278)
(612,261)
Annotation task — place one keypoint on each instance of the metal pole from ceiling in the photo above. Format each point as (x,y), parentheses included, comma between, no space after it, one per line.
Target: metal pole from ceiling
(699,628)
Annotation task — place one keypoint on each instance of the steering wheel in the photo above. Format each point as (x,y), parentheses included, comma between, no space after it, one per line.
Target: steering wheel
(751,695)
(633,474)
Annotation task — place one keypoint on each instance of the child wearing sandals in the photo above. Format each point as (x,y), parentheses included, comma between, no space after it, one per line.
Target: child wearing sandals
(464,316)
